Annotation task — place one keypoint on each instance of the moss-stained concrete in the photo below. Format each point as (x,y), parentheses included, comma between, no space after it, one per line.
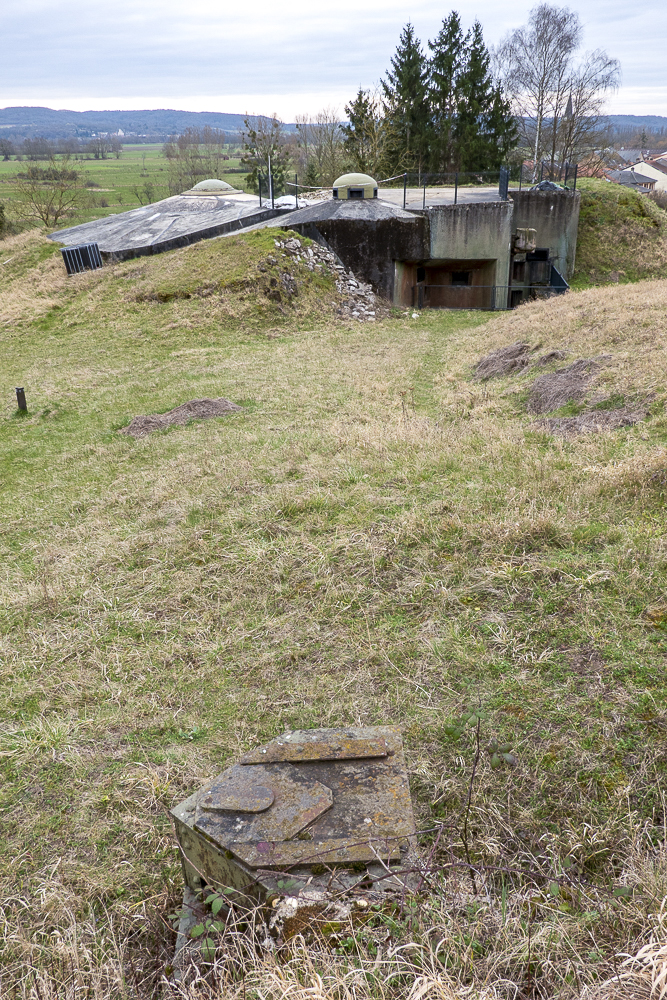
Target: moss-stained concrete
(473,232)
(555,217)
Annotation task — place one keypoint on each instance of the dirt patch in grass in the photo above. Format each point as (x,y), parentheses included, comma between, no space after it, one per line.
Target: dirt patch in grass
(503,361)
(566,385)
(195,409)
(512,360)
(594,421)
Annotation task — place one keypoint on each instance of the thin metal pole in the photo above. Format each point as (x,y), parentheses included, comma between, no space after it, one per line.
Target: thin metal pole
(271,185)
(456,187)
(259,178)
(520,175)
(296,190)
(541,171)
(424,205)
(405,187)
(576,171)
(20,399)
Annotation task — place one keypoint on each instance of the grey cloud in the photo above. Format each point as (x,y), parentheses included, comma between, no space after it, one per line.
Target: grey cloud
(136,48)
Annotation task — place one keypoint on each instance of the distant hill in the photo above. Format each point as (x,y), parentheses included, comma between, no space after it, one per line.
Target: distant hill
(26,123)
(652,123)
(31,122)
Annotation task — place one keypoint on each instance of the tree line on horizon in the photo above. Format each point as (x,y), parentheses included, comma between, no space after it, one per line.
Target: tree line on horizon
(431,114)
(458,107)
(455,106)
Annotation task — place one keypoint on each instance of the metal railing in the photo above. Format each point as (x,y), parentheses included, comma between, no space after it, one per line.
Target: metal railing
(485,297)
(506,179)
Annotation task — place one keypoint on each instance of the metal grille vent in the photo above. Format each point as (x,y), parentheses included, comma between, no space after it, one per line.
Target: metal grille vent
(85,257)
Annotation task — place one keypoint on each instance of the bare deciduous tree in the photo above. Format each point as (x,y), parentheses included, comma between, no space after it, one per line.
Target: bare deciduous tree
(194,156)
(48,193)
(321,139)
(579,131)
(558,103)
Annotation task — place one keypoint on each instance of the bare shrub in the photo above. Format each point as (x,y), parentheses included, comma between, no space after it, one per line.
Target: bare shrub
(659,198)
(47,194)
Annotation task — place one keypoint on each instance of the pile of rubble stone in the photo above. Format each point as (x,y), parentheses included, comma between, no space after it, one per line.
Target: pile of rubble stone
(358,301)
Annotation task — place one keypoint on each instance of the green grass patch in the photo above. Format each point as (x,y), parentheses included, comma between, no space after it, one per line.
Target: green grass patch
(622,236)
(374,538)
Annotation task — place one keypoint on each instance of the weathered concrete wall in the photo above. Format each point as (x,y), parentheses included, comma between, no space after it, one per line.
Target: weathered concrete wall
(479,294)
(475,231)
(186,239)
(369,248)
(555,217)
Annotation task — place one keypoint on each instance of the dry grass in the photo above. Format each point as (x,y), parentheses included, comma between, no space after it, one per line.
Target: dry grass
(374,537)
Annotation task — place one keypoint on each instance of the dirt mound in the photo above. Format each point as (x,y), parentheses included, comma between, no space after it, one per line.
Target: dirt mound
(503,361)
(511,360)
(546,359)
(565,385)
(593,421)
(195,409)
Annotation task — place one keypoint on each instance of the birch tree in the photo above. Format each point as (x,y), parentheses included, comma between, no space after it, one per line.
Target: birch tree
(535,62)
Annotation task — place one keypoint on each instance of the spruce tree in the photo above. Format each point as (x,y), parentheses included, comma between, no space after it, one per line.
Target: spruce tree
(406,105)
(484,130)
(365,132)
(445,68)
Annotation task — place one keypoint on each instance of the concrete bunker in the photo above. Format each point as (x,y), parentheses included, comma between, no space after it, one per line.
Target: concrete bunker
(470,255)
(211,208)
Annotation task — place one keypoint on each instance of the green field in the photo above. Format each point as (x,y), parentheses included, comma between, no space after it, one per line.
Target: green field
(375,538)
(139,176)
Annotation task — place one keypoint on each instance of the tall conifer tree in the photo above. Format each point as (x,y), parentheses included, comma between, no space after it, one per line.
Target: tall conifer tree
(441,114)
(485,129)
(444,71)
(406,104)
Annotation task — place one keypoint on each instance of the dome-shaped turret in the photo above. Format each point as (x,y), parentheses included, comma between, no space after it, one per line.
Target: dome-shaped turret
(212,186)
(355,186)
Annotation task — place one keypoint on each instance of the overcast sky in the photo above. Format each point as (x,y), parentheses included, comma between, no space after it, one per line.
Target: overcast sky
(266,57)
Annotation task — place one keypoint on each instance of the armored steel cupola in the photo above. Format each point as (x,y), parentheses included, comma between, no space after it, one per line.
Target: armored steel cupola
(350,186)
(212,186)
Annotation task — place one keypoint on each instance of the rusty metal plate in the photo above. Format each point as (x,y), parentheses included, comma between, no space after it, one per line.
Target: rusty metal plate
(298,800)
(237,792)
(267,854)
(297,751)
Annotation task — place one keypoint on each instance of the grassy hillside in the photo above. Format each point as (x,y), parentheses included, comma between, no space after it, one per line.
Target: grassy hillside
(622,236)
(375,537)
